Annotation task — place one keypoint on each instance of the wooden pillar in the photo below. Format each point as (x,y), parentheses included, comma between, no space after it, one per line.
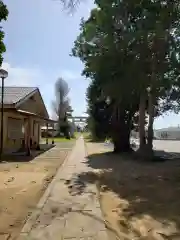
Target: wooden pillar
(27,136)
(38,129)
(38,137)
(46,133)
(53,133)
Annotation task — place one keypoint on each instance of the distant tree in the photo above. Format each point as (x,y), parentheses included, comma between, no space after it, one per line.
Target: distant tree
(3,16)
(70,5)
(61,105)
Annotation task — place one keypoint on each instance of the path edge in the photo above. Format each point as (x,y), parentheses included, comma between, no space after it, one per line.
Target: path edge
(97,186)
(36,212)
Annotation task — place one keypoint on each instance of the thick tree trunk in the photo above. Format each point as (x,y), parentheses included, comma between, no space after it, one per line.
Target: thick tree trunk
(150,124)
(151,109)
(121,141)
(120,132)
(142,112)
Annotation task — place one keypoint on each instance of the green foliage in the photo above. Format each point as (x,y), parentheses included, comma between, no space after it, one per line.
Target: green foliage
(99,112)
(129,48)
(3,16)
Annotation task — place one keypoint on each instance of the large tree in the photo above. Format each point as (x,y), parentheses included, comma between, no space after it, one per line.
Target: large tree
(106,63)
(132,50)
(157,42)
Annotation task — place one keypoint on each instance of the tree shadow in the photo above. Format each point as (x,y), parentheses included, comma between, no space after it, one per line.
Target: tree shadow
(167,155)
(149,192)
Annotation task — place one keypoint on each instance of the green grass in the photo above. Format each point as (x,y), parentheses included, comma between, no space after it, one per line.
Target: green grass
(63,139)
(77,134)
(87,135)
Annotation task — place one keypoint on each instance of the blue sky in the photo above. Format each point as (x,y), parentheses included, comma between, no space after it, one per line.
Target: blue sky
(39,38)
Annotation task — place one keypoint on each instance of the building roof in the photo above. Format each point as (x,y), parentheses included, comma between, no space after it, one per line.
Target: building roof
(13,95)
(171,129)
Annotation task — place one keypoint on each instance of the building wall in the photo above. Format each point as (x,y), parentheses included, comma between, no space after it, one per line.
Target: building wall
(34,105)
(14,130)
(167,134)
(35,131)
(10,140)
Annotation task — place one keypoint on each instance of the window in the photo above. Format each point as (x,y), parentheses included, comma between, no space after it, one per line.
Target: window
(164,135)
(15,128)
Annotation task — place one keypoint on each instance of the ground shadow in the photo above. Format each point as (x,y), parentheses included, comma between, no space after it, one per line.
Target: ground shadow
(96,141)
(167,155)
(22,156)
(89,139)
(149,189)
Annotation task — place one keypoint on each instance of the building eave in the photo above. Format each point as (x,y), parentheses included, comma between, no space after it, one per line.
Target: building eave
(26,113)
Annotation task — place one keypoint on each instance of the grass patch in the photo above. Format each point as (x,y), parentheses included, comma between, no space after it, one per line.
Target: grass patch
(87,136)
(77,134)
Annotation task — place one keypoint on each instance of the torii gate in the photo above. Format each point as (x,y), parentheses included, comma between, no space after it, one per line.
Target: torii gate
(78,118)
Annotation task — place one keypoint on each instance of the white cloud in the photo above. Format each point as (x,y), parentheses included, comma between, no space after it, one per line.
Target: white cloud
(29,77)
(6,66)
(69,76)
(18,76)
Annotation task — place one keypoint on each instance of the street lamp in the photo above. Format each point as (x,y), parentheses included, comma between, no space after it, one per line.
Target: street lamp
(3,75)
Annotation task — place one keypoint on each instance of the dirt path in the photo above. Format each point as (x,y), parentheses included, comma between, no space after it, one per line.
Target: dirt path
(21,186)
(71,209)
(139,200)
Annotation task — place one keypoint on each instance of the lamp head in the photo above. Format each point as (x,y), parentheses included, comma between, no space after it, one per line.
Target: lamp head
(3,73)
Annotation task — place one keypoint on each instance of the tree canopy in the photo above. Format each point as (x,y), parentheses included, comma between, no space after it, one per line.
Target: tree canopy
(130,51)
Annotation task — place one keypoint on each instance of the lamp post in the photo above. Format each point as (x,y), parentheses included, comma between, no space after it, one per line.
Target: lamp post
(3,75)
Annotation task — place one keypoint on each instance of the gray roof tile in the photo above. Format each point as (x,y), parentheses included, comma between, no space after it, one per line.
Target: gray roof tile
(15,94)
